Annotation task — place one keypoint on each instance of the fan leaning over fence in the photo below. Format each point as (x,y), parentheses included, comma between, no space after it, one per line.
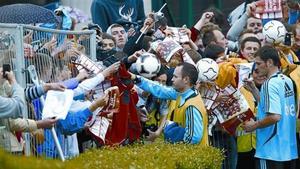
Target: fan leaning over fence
(49,66)
(126,127)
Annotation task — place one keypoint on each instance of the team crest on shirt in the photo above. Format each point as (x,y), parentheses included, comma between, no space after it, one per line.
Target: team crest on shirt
(126,14)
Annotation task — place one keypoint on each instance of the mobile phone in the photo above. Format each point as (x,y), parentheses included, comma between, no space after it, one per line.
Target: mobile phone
(6,68)
(287,39)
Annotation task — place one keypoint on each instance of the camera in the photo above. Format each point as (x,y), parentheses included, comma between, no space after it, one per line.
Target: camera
(158,16)
(96,27)
(6,68)
(151,127)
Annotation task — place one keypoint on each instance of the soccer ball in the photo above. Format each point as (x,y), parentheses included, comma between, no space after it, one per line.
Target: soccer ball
(274,32)
(148,65)
(208,70)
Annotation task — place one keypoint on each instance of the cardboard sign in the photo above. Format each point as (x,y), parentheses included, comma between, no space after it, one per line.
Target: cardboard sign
(268,9)
(99,128)
(83,63)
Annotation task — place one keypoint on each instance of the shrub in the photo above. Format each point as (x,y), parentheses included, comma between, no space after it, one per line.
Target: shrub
(157,155)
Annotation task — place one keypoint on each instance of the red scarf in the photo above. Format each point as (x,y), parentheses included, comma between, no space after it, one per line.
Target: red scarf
(125,124)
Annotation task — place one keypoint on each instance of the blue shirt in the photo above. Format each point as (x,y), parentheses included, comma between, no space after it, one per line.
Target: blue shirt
(194,122)
(277,142)
(74,122)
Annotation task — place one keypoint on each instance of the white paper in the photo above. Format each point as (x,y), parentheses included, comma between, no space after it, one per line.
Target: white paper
(245,70)
(57,104)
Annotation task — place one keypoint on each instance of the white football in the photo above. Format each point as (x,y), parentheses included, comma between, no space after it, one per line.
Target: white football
(148,65)
(274,32)
(208,70)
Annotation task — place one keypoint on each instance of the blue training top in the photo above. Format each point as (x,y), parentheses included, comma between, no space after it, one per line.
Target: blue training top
(277,142)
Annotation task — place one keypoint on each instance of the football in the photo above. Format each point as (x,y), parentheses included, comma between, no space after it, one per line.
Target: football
(208,70)
(274,32)
(148,65)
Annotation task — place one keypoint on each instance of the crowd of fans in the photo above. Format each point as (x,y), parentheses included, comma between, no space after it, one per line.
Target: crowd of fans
(171,102)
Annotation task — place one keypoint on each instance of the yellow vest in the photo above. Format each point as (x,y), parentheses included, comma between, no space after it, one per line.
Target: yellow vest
(246,141)
(152,119)
(286,65)
(295,76)
(177,114)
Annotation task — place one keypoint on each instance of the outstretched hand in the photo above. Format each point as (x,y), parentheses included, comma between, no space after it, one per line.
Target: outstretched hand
(148,23)
(54,86)
(132,58)
(205,18)
(46,123)
(152,135)
(250,9)
(82,75)
(111,69)
(100,102)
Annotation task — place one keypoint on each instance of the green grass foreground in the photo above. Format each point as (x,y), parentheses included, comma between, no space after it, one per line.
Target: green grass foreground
(149,156)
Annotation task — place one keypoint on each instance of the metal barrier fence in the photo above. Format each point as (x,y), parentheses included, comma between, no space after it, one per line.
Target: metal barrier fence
(10,53)
(222,140)
(49,51)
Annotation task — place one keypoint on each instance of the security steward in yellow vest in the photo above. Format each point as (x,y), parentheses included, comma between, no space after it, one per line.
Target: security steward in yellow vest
(189,117)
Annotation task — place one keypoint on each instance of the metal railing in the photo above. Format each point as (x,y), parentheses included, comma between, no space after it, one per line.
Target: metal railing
(49,51)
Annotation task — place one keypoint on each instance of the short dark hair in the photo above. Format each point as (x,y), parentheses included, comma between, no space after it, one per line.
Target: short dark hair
(245,31)
(268,52)
(189,70)
(212,51)
(207,33)
(108,36)
(162,71)
(146,42)
(195,55)
(208,38)
(116,25)
(250,39)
